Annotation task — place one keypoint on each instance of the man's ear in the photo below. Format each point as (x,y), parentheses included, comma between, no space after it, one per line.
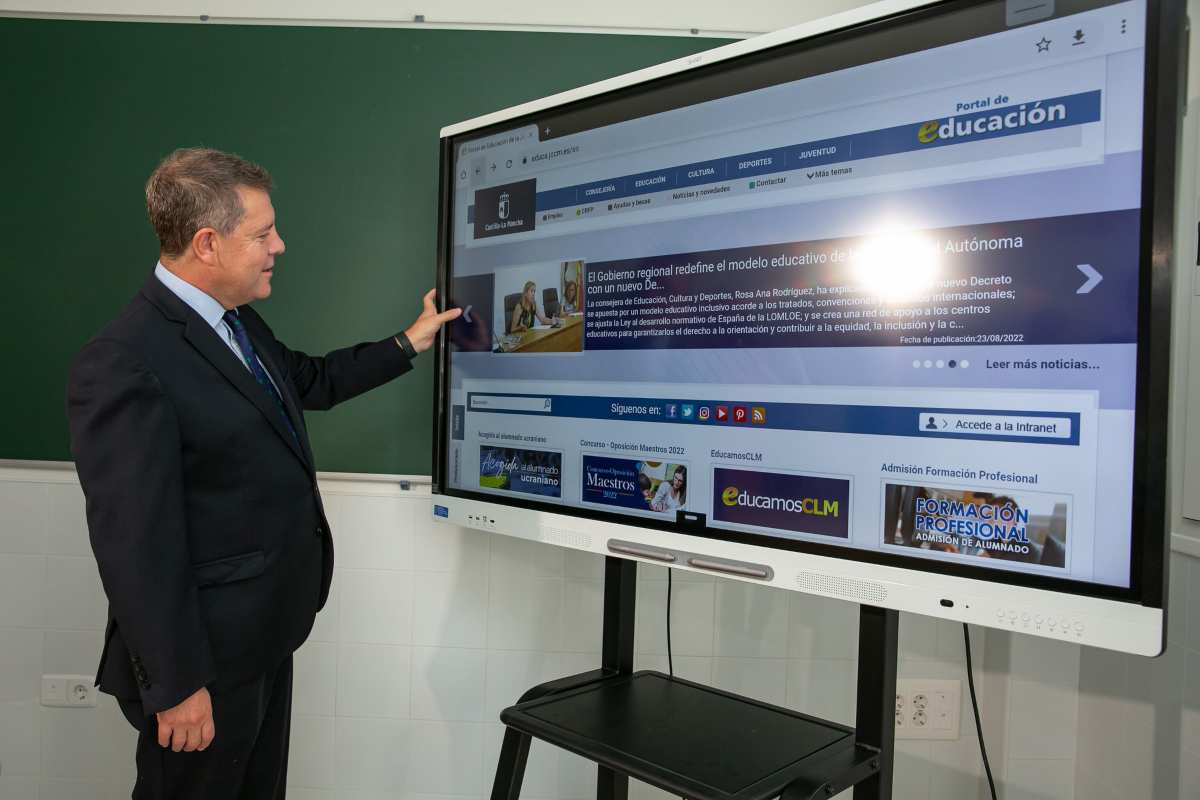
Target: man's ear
(205,244)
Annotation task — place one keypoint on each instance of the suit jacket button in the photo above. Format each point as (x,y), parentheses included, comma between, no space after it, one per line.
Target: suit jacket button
(320,531)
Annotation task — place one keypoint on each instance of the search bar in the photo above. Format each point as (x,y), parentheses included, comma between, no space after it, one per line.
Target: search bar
(501,402)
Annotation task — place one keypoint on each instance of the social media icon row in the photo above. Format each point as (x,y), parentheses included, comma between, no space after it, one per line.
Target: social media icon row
(756,415)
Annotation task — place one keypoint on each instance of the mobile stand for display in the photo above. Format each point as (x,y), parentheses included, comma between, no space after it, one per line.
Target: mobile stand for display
(698,742)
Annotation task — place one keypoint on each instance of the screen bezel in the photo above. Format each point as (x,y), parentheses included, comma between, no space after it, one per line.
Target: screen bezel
(1164,65)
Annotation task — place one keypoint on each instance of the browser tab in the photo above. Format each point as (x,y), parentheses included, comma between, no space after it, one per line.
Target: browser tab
(487,144)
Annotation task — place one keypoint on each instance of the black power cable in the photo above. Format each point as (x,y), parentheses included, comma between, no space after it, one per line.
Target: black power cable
(975,706)
(670,663)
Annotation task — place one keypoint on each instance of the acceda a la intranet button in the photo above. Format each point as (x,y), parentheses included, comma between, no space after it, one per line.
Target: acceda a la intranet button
(995,425)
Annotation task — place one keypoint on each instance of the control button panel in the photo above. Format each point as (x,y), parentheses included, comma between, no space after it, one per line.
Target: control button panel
(1066,626)
(484,521)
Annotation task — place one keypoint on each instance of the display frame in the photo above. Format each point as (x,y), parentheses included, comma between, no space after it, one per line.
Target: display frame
(1164,75)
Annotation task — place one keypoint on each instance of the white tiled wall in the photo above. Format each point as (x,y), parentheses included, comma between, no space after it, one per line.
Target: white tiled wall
(1142,717)
(52,613)
(432,630)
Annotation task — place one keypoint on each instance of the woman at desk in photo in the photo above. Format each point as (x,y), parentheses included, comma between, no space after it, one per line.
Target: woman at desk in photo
(671,494)
(570,304)
(526,311)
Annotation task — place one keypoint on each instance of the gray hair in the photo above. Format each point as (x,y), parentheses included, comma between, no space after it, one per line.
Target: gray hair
(195,188)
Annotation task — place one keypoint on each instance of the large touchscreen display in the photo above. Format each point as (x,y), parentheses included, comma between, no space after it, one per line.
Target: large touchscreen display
(890,306)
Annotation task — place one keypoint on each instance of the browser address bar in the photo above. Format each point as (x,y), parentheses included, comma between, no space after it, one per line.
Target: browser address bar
(499,402)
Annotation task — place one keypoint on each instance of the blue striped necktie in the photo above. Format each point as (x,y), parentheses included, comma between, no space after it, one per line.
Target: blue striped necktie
(248,355)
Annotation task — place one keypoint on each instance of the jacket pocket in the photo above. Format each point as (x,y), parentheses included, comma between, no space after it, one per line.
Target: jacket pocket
(230,569)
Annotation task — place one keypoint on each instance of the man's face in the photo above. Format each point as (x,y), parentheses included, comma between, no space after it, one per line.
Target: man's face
(246,257)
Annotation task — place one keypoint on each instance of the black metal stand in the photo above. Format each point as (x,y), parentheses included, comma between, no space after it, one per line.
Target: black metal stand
(698,742)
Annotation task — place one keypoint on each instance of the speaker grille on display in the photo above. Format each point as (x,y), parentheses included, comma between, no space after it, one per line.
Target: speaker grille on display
(566,538)
(852,588)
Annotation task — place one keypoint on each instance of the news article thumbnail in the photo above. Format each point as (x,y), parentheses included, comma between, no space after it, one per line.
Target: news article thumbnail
(517,470)
(656,486)
(539,307)
(782,501)
(1027,527)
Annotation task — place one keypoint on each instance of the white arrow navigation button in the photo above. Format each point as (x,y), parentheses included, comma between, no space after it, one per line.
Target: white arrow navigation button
(1093,278)
(466,315)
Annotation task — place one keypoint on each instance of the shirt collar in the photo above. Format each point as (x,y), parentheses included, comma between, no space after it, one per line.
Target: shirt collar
(209,309)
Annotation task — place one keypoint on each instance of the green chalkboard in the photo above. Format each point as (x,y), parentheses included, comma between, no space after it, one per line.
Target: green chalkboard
(346,119)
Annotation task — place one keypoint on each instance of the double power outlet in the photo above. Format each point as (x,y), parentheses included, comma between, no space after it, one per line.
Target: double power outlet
(928,709)
(68,691)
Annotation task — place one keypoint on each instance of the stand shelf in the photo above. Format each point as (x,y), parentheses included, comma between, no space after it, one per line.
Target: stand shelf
(698,742)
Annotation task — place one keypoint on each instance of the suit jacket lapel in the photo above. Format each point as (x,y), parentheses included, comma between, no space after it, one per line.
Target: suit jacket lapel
(202,337)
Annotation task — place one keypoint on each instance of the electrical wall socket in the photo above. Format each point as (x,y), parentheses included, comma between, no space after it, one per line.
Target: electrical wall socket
(68,691)
(928,709)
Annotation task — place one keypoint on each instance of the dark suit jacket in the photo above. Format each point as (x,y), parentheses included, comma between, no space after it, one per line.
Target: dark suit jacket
(203,510)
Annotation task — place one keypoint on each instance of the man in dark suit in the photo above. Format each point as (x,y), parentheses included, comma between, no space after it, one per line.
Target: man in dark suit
(202,504)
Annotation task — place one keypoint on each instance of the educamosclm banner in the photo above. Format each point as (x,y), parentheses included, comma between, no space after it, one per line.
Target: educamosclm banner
(782,501)
(518,470)
(1029,527)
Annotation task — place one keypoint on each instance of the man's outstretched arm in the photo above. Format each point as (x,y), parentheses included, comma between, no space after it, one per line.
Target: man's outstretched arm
(325,381)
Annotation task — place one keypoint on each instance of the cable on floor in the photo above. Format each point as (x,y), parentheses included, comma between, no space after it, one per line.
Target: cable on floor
(975,706)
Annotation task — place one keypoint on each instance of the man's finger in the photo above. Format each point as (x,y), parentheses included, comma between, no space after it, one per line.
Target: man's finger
(193,740)
(164,734)
(208,732)
(426,327)
(428,324)
(430,306)
(178,739)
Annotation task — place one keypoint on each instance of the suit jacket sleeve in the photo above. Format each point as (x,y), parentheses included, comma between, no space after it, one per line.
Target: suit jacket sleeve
(324,381)
(126,442)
